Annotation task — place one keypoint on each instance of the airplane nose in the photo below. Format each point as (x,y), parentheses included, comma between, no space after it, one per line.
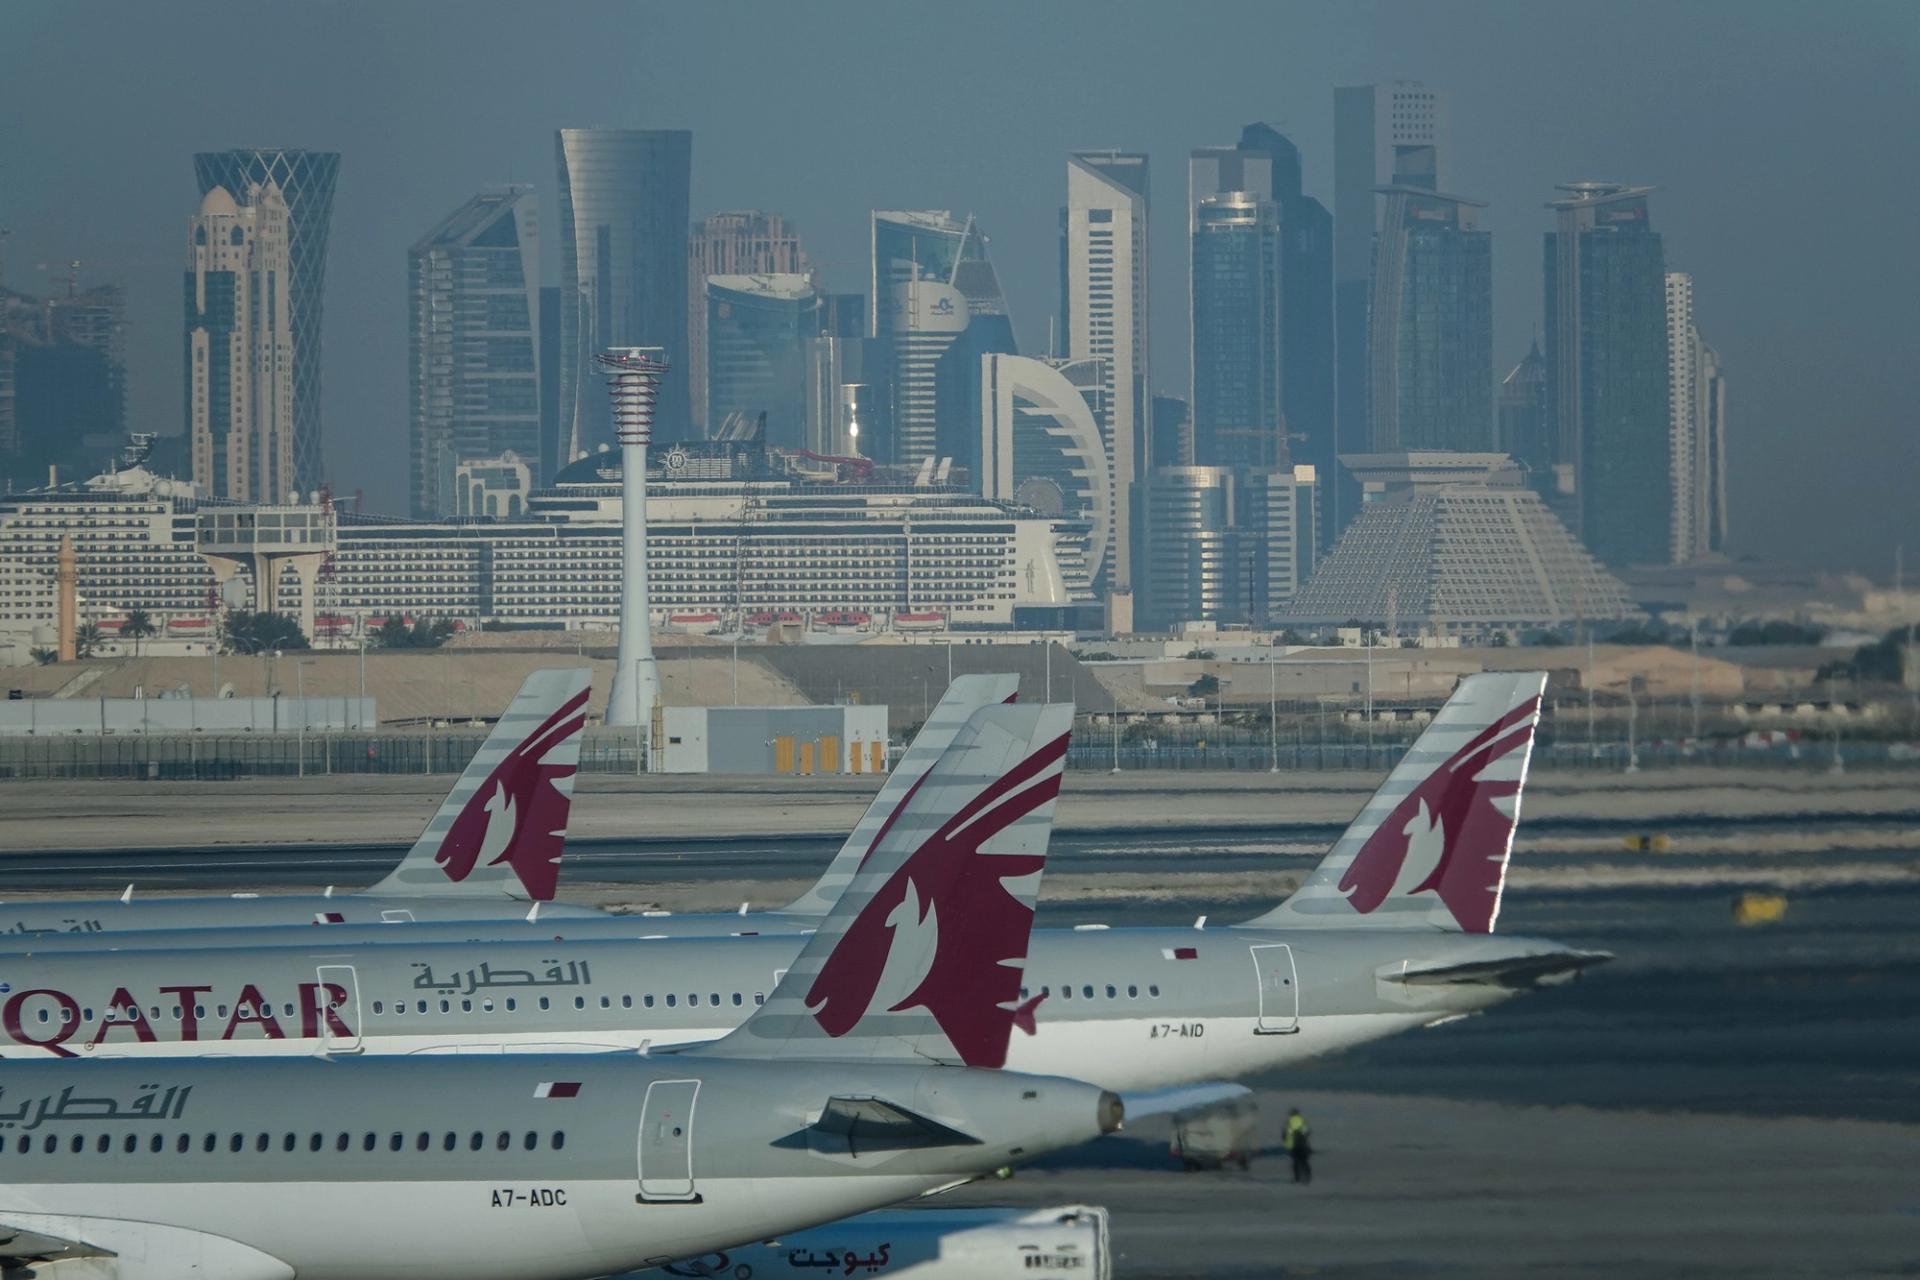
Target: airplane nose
(1113,1112)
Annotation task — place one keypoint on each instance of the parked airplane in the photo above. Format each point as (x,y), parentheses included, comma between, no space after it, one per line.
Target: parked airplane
(363,917)
(493,847)
(1393,931)
(859,1083)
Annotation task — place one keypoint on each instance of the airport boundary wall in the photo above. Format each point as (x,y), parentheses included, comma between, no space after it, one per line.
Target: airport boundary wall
(221,757)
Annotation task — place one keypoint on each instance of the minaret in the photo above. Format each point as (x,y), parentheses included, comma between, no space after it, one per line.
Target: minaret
(633,379)
(66,579)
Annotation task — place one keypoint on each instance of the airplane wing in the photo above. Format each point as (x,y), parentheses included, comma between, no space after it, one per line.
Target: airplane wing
(168,1253)
(865,1126)
(1183,1097)
(1513,972)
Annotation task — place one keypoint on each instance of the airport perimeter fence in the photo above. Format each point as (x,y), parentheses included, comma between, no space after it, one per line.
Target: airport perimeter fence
(204,757)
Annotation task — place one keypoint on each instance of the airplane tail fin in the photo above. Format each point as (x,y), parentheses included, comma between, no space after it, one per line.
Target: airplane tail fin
(963,697)
(922,956)
(501,830)
(1430,849)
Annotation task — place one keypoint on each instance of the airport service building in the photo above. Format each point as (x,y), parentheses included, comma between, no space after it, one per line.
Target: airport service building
(738,536)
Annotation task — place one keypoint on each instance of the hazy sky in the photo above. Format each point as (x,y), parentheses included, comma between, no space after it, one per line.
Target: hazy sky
(1781,137)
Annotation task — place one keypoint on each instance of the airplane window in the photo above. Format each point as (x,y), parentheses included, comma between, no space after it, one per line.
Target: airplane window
(43,1015)
(559,1139)
(26,1144)
(511,1006)
(51,1143)
(379,1007)
(606,1002)
(647,1000)
(450,1141)
(105,1144)
(199,1011)
(400,1006)
(177,1012)
(736,999)
(626,1002)
(672,1000)
(1154,990)
(1133,991)
(66,1014)
(222,1009)
(260,1143)
(486,1006)
(157,1143)
(466,1006)
(288,1006)
(236,1142)
(424,1141)
(397,1141)
(368,1142)
(1066,993)
(532,1140)
(86,1015)
(476,1141)
(182,1144)
(446,1006)
(420,1006)
(213,1140)
(132,1143)
(693,998)
(504,1141)
(78,1143)
(342,1142)
(713,998)
(545,1003)
(1023,993)
(1111,992)
(243,1010)
(759,998)
(289,1142)
(314,1142)
(1087,991)
(579,1002)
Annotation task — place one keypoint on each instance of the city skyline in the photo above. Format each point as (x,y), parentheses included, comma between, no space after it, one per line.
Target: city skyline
(1788,333)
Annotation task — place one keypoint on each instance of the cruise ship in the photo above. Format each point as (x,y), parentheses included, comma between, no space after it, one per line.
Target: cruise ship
(740,537)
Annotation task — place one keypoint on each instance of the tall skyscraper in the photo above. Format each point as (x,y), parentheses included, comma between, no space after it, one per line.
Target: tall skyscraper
(1103,308)
(552,438)
(1267,162)
(757,330)
(473,284)
(937,301)
(1607,369)
(1237,284)
(1523,429)
(1384,135)
(624,197)
(1041,445)
(1430,326)
(739,243)
(305,181)
(240,348)
(1696,417)
(63,381)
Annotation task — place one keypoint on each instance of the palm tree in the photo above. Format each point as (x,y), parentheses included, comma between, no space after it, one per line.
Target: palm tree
(86,640)
(44,656)
(138,625)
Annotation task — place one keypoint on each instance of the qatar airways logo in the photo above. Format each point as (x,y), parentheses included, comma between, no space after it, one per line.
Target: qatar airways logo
(519,814)
(1450,834)
(944,933)
(50,1019)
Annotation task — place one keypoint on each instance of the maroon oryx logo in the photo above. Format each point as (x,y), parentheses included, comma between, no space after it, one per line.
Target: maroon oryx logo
(519,814)
(969,975)
(1420,845)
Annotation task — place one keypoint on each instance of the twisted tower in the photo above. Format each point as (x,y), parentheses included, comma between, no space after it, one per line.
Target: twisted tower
(633,380)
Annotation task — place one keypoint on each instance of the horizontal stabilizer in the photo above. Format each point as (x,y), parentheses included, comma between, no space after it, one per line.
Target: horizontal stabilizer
(1182,1097)
(1515,973)
(57,1245)
(866,1126)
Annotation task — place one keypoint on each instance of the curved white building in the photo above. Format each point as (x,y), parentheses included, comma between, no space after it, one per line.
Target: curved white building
(1041,445)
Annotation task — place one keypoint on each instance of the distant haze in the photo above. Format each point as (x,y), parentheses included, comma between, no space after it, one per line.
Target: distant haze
(1781,136)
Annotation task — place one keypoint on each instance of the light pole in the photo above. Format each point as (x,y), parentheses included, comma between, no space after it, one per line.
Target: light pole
(1633,728)
(300,689)
(1273,713)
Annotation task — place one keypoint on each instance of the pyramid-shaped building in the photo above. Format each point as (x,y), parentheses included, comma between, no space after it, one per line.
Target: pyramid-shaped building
(1455,544)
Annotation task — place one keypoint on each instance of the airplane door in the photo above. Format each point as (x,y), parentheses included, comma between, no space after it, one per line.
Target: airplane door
(666,1143)
(336,997)
(1279,990)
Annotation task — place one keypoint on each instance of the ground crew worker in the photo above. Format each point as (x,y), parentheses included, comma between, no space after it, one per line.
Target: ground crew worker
(1298,1140)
